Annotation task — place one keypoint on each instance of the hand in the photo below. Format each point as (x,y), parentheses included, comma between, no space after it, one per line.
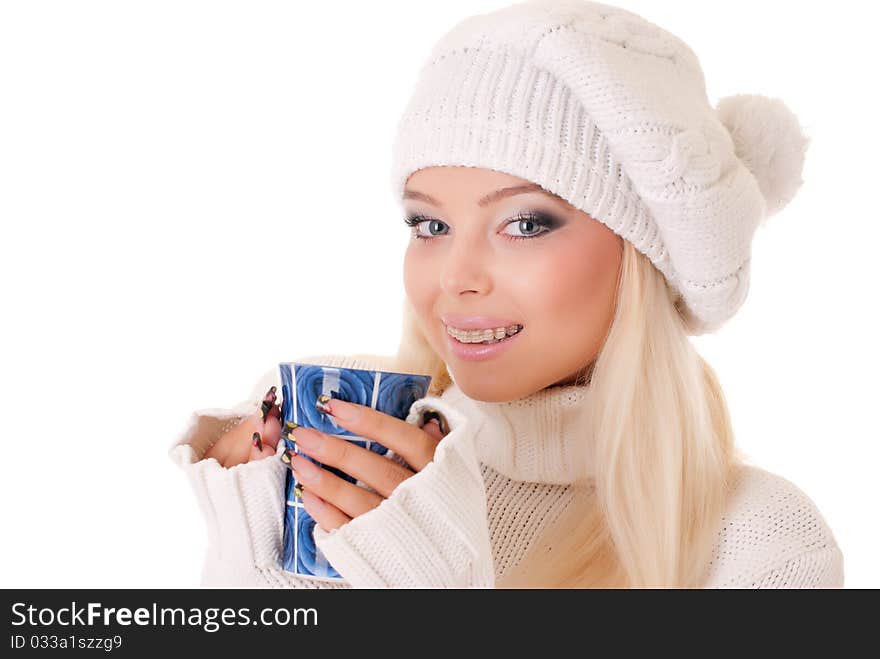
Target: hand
(253,438)
(332,501)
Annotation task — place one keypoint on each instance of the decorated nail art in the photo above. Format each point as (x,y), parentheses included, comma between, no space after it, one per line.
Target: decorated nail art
(289,427)
(430,413)
(258,442)
(268,401)
(321,404)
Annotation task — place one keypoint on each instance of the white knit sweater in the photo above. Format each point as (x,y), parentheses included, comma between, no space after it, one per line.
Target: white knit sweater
(497,479)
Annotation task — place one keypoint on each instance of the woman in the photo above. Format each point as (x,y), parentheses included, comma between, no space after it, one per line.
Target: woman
(575,201)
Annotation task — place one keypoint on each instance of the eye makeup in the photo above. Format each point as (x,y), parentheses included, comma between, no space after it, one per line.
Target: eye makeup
(545,221)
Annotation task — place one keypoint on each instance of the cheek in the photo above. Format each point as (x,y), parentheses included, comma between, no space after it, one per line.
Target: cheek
(417,283)
(574,285)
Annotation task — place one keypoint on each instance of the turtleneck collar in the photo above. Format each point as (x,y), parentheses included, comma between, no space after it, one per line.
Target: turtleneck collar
(539,438)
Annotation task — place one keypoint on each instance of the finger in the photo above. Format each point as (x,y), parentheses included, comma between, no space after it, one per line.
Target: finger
(239,446)
(379,472)
(271,431)
(406,439)
(350,498)
(259,449)
(269,418)
(432,427)
(326,515)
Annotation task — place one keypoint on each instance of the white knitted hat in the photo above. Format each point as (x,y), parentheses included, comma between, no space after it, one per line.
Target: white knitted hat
(609,111)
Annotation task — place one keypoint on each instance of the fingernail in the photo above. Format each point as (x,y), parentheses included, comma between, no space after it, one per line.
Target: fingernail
(298,490)
(289,427)
(430,414)
(268,402)
(321,404)
(258,442)
(285,457)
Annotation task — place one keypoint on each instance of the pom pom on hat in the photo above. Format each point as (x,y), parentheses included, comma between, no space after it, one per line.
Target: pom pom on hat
(768,139)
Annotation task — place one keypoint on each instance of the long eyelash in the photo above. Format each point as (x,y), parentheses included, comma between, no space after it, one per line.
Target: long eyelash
(541,219)
(416,220)
(538,218)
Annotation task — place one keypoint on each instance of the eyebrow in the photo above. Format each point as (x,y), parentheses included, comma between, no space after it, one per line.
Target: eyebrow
(485,201)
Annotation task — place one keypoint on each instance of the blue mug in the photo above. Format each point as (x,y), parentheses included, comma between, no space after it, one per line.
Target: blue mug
(301,385)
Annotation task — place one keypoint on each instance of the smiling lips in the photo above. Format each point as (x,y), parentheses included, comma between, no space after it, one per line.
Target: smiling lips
(478,336)
(481,345)
(475,338)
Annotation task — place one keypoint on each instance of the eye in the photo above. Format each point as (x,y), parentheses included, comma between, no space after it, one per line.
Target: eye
(415,220)
(531,222)
(534,224)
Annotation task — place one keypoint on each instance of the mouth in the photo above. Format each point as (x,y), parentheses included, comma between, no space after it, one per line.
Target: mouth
(485,336)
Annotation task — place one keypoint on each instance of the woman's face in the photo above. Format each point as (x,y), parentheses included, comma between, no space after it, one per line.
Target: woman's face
(528,257)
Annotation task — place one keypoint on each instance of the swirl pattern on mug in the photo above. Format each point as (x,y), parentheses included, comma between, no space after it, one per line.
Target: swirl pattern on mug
(397,393)
(301,386)
(353,385)
(310,560)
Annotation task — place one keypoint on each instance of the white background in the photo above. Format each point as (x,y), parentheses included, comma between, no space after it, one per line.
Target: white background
(191,192)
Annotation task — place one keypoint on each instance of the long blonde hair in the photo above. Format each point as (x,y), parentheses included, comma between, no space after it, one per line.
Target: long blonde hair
(661,449)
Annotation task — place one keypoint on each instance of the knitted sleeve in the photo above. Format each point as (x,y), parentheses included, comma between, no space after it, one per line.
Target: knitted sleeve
(243,506)
(432,531)
(243,509)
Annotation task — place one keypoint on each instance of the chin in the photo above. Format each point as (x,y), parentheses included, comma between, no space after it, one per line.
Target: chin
(489,389)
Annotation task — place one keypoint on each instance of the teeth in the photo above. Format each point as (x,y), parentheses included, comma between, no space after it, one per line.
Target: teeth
(481,336)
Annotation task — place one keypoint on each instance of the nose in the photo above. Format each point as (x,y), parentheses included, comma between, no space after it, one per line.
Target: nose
(466,269)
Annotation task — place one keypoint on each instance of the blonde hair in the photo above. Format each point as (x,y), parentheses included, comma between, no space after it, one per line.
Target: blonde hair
(661,448)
